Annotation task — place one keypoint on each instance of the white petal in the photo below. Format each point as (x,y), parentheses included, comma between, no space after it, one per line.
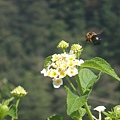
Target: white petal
(44,72)
(57,82)
(100,108)
(81,61)
(72,71)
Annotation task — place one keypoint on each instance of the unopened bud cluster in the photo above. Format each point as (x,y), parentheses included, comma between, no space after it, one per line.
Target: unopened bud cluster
(19,92)
(63,45)
(76,48)
(3,111)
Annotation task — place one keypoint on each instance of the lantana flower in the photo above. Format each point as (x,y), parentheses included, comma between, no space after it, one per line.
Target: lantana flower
(58,66)
(57,82)
(61,65)
(72,71)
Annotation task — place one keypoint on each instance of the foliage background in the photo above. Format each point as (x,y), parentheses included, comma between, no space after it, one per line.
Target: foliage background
(30,31)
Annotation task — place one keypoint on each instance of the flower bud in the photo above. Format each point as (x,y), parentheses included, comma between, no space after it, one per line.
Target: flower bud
(19,92)
(3,111)
(117,110)
(108,118)
(76,48)
(63,45)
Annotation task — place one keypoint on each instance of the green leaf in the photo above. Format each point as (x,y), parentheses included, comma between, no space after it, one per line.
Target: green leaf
(102,65)
(6,102)
(87,78)
(55,117)
(13,112)
(77,115)
(47,60)
(74,102)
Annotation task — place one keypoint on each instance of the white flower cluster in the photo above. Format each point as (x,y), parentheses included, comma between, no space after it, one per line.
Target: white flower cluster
(61,65)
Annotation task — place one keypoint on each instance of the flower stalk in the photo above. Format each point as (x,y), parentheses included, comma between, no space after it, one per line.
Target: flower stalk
(72,86)
(85,105)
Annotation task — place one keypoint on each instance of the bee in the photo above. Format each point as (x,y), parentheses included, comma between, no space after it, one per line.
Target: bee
(93,38)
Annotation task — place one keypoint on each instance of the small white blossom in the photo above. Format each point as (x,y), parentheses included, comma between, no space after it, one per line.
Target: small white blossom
(61,65)
(57,82)
(71,63)
(62,74)
(100,108)
(72,71)
(71,57)
(53,73)
(44,72)
(81,61)
(55,57)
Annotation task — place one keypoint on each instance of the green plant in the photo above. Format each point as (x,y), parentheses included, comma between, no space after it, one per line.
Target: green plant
(69,64)
(8,108)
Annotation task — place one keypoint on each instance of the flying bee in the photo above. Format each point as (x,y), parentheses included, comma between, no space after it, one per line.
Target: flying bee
(93,38)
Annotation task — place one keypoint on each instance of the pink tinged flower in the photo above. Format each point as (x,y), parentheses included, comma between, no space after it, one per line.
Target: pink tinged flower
(57,82)
(72,71)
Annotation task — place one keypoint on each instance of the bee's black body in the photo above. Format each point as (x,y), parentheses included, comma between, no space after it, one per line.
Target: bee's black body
(93,38)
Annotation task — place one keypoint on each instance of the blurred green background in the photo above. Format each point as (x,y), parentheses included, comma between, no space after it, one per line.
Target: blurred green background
(30,31)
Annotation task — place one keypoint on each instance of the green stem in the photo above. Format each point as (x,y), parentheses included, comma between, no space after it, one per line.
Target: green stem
(88,111)
(1,118)
(72,86)
(63,50)
(17,103)
(85,105)
(79,85)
